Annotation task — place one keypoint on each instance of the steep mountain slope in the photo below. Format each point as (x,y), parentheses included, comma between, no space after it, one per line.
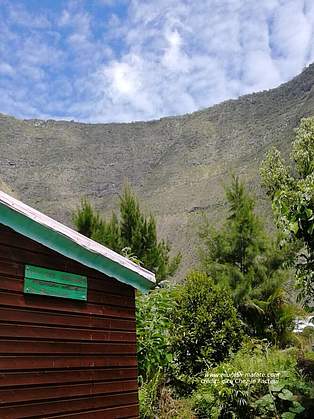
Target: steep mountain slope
(177,165)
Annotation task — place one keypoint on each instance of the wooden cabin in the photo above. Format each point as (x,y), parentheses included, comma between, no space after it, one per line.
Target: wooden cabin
(67,321)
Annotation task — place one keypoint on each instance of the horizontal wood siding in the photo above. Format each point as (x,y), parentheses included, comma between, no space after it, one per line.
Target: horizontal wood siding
(63,358)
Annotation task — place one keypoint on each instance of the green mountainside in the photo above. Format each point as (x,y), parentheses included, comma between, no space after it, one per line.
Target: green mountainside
(176,165)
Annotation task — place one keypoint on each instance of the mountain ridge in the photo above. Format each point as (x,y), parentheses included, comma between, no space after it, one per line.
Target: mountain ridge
(177,165)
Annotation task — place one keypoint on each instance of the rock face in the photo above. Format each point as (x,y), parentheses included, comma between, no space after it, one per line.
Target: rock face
(176,165)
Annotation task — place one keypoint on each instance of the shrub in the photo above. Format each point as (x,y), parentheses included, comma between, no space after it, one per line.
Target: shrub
(171,408)
(149,393)
(152,323)
(291,189)
(256,382)
(157,401)
(204,327)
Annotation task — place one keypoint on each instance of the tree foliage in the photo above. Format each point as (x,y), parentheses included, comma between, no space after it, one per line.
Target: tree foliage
(85,218)
(152,327)
(291,188)
(204,326)
(241,257)
(130,232)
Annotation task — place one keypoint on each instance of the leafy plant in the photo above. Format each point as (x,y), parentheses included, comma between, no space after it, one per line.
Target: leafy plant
(157,401)
(149,392)
(279,399)
(291,190)
(152,324)
(204,328)
(172,408)
(257,382)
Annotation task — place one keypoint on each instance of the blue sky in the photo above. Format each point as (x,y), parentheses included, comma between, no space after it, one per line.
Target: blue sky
(127,60)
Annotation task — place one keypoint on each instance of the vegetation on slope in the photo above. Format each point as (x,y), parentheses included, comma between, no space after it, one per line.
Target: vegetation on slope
(208,319)
(221,344)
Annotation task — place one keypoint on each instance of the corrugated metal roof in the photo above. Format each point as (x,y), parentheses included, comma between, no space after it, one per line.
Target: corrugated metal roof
(45,230)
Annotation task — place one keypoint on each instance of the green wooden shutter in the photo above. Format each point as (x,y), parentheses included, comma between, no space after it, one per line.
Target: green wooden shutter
(53,283)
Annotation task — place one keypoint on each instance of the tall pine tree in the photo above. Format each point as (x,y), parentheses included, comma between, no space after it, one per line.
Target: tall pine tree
(130,233)
(241,257)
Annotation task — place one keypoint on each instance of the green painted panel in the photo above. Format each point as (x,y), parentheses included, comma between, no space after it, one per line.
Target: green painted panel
(35,272)
(35,286)
(53,283)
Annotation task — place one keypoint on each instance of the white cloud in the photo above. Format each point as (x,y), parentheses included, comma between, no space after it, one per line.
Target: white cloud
(75,19)
(123,78)
(159,58)
(292,36)
(20,16)
(174,59)
(6,69)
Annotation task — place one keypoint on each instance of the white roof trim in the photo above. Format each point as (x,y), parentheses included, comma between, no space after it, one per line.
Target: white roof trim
(74,236)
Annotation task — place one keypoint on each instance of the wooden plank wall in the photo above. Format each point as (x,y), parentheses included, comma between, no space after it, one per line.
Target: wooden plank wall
(62,358)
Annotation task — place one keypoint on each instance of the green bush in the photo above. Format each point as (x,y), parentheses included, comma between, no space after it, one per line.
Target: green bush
(257,382)
(204,327)
(148,395)
(291,189)
(171,408)
(157,401)
(152,324)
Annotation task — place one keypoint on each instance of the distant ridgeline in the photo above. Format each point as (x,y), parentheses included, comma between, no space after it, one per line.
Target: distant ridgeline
(177,165)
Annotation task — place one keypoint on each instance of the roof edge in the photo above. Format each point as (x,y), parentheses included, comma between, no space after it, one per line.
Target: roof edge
(64,245)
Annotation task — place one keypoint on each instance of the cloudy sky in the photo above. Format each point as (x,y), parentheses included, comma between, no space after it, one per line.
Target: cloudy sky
(126,60)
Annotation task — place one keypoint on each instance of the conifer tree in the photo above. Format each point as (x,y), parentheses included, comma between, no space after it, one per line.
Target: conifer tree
(241,257)
(86,218)
(130,233)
